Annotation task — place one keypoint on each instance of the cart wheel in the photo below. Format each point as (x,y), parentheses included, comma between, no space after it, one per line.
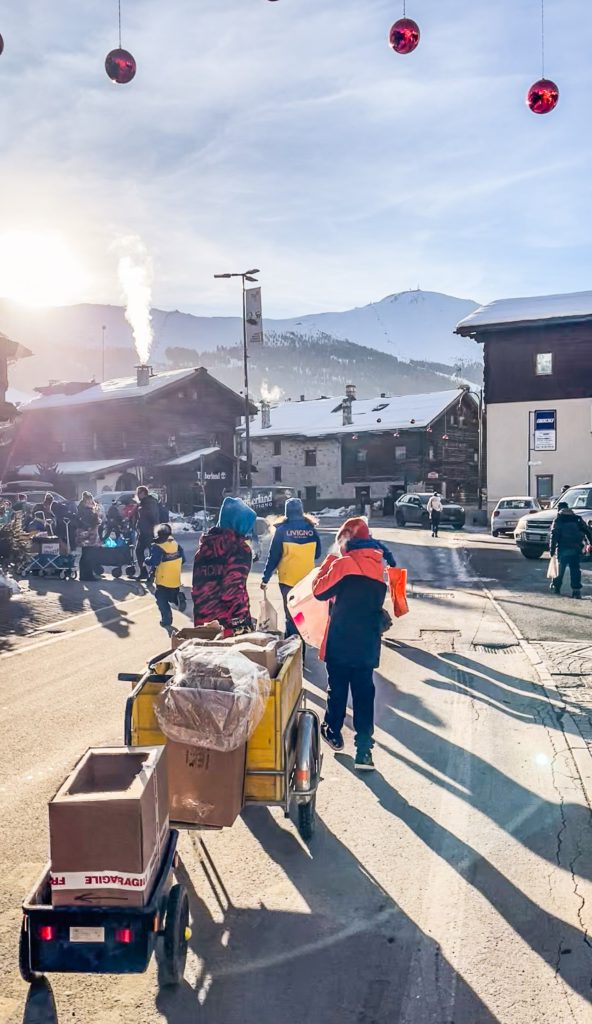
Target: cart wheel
(24,964)
(175,938)
(117,574)
(40,1007)
(62,574)
(307,818)
(130,572)
(73,575)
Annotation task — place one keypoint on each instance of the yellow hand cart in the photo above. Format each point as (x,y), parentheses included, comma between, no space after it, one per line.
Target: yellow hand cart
(284,758)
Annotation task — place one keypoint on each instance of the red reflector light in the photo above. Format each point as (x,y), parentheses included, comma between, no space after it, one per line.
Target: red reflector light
(46,932)
(302,775)
(124,935)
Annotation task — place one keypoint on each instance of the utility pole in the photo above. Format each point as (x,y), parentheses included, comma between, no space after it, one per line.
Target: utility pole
(246,276)
(103,329)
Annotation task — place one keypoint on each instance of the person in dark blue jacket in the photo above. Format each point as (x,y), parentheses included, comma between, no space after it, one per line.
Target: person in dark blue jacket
(294,550)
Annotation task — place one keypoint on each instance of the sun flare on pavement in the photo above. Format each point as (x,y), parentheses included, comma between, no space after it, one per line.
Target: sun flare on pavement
(39,268)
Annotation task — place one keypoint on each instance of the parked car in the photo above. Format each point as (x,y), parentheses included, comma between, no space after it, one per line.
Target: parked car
(35,493)
(533,531)
(412,509)
(507,512)
(107,498)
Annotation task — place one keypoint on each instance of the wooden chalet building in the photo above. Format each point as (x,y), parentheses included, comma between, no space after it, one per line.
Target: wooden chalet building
(538,392)
(333,451)
(162,429)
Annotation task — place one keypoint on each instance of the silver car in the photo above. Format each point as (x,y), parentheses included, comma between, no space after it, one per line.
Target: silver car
(508,511)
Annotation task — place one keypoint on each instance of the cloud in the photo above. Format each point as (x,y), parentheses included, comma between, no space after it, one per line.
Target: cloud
(288,135)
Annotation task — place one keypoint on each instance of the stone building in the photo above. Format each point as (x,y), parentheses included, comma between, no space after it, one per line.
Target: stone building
(333,451)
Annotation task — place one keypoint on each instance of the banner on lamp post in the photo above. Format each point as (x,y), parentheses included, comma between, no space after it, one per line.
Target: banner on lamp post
(254,316)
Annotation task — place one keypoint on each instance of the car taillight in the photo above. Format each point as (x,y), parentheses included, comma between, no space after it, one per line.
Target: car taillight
(124,935)
(496,512)
(46,932)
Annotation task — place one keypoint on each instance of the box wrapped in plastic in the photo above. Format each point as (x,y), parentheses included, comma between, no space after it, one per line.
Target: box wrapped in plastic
(215,699)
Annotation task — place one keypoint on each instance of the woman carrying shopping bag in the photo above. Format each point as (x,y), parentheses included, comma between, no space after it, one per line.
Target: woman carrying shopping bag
(295,548)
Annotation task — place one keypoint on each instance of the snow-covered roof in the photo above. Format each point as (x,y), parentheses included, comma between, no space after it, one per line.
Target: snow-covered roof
(325,416)
(122,387)
(186,460)
(19,398)
(78,468)
(572,306)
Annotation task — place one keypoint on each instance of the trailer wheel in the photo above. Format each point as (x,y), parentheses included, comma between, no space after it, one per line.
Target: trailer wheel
(130,572)
(23,961)
(175,938)
(117,573)
(40,1007)
(307,819)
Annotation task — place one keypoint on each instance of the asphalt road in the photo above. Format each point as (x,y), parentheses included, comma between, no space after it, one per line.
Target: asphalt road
(450,887)
(522,587)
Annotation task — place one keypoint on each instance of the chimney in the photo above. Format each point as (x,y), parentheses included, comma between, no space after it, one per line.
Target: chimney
(350,392)
(346,407)
(265,415)
(144,373)
(302,398)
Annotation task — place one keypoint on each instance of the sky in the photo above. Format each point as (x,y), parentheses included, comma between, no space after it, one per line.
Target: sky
(288,136)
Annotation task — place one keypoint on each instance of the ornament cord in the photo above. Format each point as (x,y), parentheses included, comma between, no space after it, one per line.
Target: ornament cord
(119,12)
(543,36)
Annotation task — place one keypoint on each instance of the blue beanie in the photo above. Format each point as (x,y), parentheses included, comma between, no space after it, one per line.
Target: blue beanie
(235,515)
(294,508)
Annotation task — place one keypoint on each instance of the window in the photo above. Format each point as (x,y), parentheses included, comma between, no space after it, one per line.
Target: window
(310,457)
(361,454)
(432,453)
(277,447)
(544,364)
(544,486)
(277,474)
(311,494)
(400,453)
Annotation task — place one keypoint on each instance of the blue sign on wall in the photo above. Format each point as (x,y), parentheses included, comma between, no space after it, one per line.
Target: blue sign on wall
(545,430)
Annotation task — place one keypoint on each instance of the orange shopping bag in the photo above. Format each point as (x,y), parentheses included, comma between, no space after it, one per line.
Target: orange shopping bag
(398,587)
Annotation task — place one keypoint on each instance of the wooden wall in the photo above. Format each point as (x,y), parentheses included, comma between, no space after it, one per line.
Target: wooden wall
(510,359)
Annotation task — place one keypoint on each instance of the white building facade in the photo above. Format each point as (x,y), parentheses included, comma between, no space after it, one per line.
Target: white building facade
(538,392)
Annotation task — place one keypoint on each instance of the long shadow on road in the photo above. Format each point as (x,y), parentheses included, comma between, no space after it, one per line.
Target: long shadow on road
(351,954)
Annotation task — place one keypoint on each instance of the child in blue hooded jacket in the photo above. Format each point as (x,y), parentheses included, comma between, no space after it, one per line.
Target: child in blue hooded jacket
(294,550)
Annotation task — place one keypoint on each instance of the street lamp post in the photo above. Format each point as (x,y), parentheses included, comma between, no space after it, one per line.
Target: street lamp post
(246,276)
(479,396)
(103,329)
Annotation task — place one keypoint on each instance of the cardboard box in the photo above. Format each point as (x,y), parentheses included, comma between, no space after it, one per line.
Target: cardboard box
(108,823)
(208,632)
(264,656)
(206,786)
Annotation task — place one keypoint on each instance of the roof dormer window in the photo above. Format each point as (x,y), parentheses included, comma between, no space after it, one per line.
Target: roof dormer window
(544,364)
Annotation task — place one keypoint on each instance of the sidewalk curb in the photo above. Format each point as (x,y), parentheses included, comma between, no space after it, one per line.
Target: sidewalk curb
(581,756)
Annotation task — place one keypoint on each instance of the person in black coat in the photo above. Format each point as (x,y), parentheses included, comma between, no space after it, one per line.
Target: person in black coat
(568,535)
(147,519)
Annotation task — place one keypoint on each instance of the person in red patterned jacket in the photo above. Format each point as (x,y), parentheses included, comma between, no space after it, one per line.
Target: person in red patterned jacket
(221,568)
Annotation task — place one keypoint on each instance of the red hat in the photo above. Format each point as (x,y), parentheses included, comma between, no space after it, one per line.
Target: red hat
(356,528)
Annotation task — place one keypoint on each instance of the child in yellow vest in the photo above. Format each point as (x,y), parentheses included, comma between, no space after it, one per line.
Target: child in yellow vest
(166,559)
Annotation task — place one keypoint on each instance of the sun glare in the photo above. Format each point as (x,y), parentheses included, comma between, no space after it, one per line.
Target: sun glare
(39,269)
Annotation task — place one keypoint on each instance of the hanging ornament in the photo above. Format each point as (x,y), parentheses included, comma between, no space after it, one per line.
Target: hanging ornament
(543,96)
(404,35)
(119,64)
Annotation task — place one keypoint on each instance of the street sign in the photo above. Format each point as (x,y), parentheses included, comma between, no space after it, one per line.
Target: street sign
(253,315)
(545,430)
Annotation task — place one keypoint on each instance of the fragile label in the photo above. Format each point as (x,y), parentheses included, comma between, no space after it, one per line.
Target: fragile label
(98,880)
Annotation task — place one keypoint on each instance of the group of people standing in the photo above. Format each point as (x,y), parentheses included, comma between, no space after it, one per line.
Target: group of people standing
(351,579)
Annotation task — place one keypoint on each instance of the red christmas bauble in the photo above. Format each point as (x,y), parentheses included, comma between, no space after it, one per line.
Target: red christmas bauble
(404,35)
(543,96)
(120,66)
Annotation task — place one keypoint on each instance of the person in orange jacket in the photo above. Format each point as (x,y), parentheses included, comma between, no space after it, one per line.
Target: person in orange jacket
(354,582)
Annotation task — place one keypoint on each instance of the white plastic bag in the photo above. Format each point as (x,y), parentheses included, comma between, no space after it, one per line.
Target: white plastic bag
(267,620)
(553,570)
